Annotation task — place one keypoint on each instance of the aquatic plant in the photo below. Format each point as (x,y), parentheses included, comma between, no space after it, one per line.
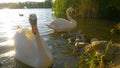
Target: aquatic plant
(99,60)
(116,29)
(89,59)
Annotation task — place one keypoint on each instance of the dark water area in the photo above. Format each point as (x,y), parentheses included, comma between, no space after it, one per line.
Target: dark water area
(98,28)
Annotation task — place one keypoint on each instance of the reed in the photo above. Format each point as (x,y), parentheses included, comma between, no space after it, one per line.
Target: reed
(88,59)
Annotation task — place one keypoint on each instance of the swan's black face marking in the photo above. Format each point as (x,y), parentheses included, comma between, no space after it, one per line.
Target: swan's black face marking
(34,33)
(33,19)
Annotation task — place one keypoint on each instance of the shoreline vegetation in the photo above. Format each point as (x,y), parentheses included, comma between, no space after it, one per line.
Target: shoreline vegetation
(88,10)
(101,9)
(28,4)
(93,54)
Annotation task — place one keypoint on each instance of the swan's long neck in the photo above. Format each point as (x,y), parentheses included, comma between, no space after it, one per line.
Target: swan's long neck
(41,47)
(70,18)
(37,37)
(33,22)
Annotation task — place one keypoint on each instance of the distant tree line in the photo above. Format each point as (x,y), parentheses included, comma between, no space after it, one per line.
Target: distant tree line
(46,4)
(89,8)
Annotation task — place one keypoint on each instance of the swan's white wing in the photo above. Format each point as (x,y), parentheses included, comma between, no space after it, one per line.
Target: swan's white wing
(25,46)
(47,53)
(60,24)
(27,49)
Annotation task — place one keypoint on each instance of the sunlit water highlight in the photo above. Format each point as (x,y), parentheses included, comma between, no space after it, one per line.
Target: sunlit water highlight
(10,19)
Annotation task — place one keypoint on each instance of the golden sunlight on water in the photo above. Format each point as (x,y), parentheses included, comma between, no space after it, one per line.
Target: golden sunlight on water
(10,53)
(6,9)
(9,42)
(9,35)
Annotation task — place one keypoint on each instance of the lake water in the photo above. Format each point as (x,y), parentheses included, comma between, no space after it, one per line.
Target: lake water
(98,28)
(10,19)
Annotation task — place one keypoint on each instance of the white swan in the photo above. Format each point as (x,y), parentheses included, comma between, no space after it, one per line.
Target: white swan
(30,48)
(63,25)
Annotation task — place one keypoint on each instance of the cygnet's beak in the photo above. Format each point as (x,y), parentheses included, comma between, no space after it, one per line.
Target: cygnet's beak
(33,22)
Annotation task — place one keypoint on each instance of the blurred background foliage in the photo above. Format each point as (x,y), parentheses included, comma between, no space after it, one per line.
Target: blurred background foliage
(107,9)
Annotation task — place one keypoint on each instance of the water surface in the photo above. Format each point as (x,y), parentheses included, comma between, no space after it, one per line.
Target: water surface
(98,28)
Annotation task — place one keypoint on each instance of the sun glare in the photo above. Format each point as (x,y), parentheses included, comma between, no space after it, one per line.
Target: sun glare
(9,31)
(7,26)
(10,42)
(10,53)
(6,9)
(8,1)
